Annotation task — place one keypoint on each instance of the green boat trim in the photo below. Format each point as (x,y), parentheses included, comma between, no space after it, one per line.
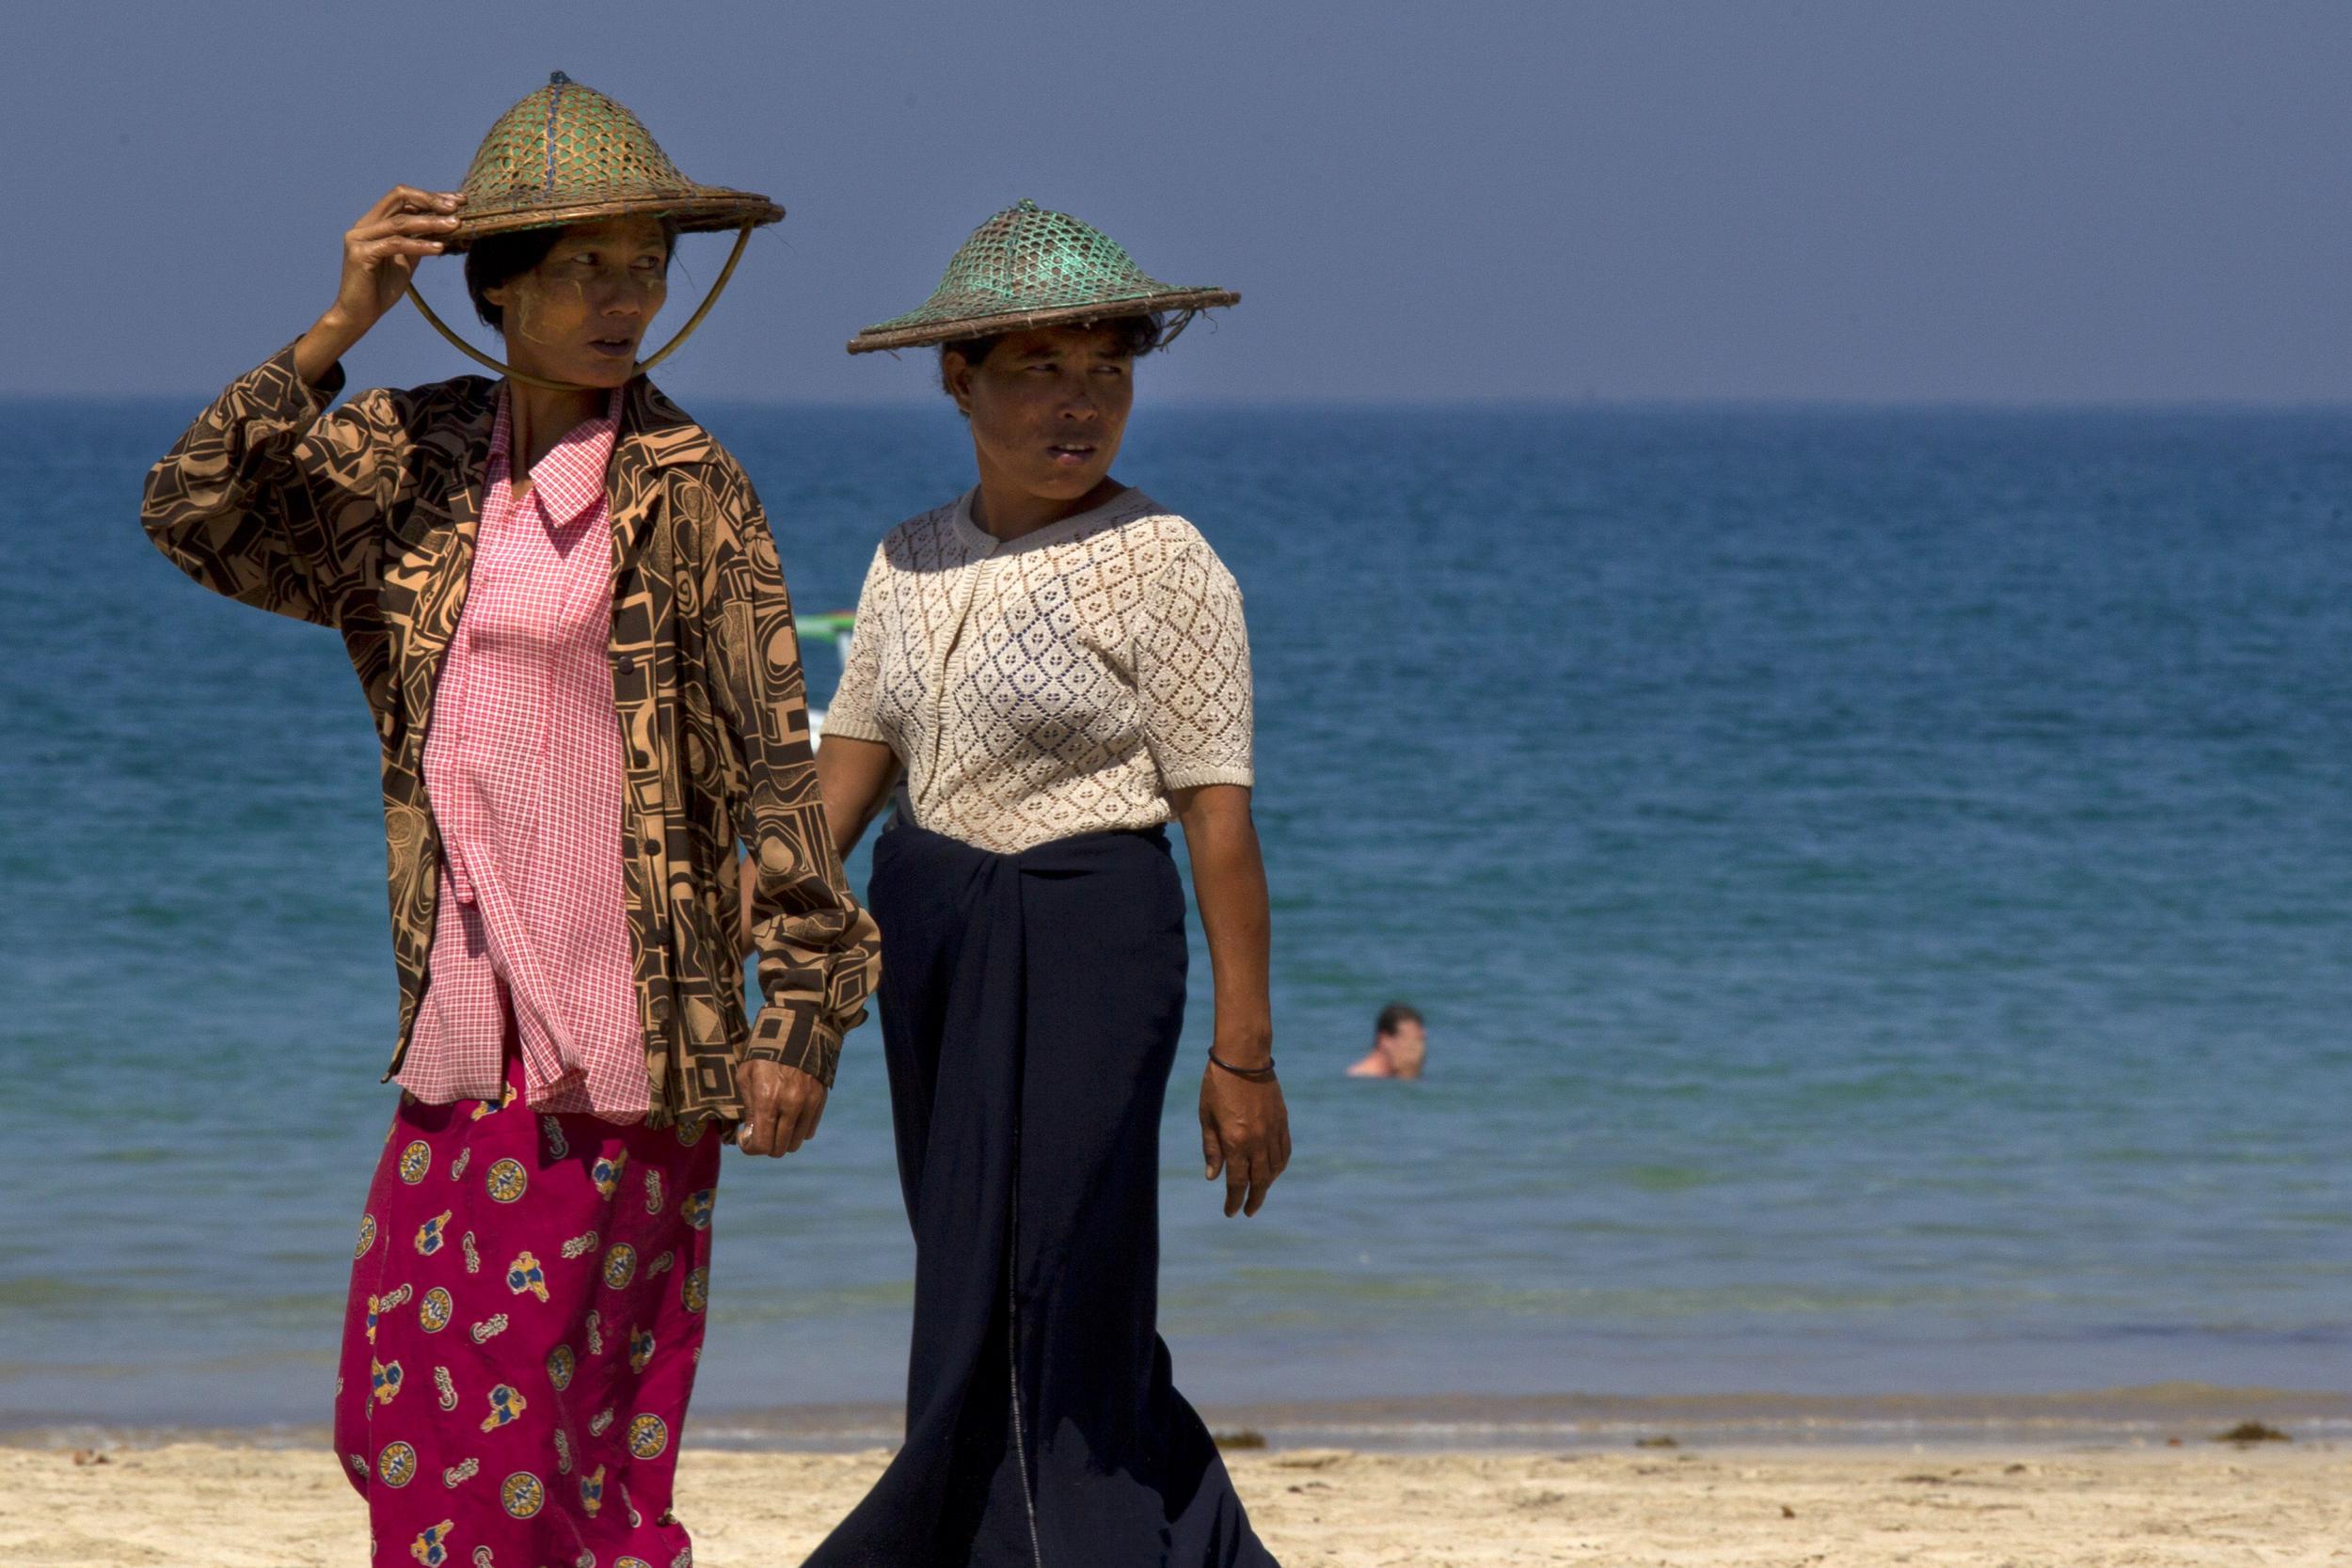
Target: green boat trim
(836,623)
(833,627)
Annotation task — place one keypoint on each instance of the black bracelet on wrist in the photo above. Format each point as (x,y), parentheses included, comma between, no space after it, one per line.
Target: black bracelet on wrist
(1255,1074)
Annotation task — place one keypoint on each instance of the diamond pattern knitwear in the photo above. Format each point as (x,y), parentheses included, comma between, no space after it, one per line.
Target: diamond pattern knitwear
(1061,683)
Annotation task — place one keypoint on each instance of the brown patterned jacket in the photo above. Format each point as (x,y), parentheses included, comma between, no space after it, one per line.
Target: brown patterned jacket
(364,519)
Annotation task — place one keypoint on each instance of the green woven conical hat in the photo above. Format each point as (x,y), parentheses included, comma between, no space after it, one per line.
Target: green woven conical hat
(570,154)
(1030,267)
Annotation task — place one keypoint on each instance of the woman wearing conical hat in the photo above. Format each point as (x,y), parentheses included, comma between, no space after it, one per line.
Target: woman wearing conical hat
(1053,665)
(565,608)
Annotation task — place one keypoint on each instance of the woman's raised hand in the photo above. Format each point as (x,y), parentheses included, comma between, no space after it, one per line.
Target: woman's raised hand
(380,255)
(382,249)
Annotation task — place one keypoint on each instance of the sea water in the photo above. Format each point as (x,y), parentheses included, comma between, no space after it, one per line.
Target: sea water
(1879,884)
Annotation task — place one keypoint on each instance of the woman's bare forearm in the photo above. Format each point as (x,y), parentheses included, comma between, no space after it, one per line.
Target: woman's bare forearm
(855,778)
(1245,1126)
(1229,881)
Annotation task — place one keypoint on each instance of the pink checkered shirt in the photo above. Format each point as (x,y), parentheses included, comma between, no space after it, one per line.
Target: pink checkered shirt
(523,767)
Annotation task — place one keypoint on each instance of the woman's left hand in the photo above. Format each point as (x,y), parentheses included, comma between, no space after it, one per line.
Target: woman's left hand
(782,1106)
(1245,1127)
(1244,1132)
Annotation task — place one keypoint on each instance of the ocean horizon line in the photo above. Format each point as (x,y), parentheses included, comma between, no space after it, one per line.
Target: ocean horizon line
(1571,404)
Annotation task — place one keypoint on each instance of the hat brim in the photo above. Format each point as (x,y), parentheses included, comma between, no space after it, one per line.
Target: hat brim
(705,211)
(887,336)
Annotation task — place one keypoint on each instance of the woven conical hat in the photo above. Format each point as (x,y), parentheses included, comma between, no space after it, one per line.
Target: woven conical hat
(1030,267)
(570,154)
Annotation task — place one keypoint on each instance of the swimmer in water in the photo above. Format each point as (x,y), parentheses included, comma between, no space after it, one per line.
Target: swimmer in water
(1400,1044)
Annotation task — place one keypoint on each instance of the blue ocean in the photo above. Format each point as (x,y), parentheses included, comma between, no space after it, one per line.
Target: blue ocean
(1879,884)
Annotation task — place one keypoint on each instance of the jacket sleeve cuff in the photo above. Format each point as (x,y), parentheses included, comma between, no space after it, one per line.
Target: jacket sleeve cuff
(795,1036)
(277,393)
(323,392)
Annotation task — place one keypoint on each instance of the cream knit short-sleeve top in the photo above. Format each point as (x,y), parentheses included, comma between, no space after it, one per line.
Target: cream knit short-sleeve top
(1062,683)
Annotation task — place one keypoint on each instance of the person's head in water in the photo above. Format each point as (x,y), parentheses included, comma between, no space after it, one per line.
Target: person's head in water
(1400,1044)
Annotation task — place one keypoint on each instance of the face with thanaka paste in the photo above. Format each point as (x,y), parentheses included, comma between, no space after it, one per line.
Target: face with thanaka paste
(580,315)
(1048,407)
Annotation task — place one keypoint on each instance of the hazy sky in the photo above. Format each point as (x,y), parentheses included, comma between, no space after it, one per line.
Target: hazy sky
(1975,201)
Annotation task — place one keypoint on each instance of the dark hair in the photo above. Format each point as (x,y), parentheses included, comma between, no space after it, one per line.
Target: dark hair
(1137,336)
(496,259)
(1396,1015)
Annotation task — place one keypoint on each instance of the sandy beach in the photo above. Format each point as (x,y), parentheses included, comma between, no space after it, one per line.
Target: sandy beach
(230,1506)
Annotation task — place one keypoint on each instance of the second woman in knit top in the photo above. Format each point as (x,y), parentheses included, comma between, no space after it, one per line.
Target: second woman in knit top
(1056,665)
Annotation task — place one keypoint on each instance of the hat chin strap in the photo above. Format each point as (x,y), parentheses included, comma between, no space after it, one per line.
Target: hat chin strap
(742,238)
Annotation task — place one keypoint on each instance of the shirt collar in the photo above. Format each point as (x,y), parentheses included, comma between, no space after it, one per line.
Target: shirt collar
(979,541)
(570,478)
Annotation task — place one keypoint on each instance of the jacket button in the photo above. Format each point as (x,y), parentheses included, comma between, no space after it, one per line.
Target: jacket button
(653,847)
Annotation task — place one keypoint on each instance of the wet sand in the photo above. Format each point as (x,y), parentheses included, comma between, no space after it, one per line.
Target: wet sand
(228,1505)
